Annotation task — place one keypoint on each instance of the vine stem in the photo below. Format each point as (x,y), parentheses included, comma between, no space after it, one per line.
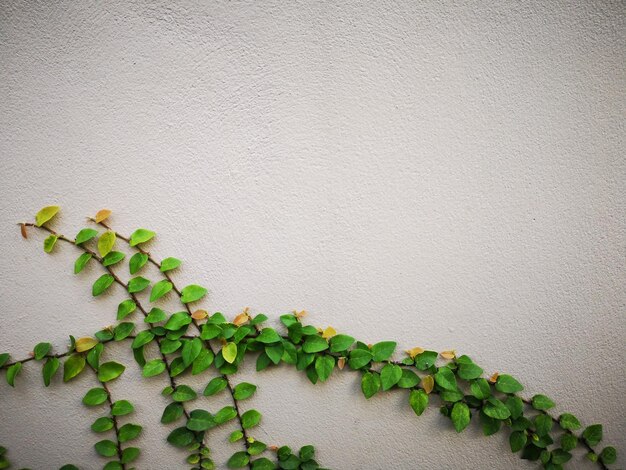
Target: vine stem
(118,444)
(179,294)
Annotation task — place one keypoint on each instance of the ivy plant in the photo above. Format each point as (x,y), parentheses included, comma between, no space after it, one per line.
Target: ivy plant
(193,342)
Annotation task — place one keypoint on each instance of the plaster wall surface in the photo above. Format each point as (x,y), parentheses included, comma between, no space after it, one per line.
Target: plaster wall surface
(449,175)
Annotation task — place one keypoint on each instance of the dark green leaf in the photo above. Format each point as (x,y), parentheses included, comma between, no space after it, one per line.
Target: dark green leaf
(106,448)
(12,372)
(517,441)
(102,424)
(214,386)
(340,343)
(181,437)
(200,420)
(418,399)
(409,379)
(507,384)
(130,454)
(390,374)
(49,369)
(593,434)
(268,336)
(142,338)
(543,424)
(542,402)
(183,393)
(480,389)
(608,455)
(426,360)
(370,384)
(238,460)
(495,409)
(4,357)
(191,350)
(243,391)
(121,408)
(153,367)
(172,412)
(314,344)
(469,371)
(460,416)
(359,358)
(95,396)
(123,330)
(41,350)
(129,432)
(250,419)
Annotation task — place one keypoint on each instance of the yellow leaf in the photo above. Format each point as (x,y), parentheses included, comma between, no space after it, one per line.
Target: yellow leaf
(242,318)
(45,214)
(428,383)
(102,215)
(85,344)
(494,377)
(414,352)
(341,363)
(199,314)
(106,242)
(329,332)
(301,314)
(448,354)
(229,352)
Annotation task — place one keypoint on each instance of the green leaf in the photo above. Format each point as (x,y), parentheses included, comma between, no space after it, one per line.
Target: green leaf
(568,441)
(45,214)
(426,360)
(275,352)
(543,425)
(191,350)
(130,454)
(85,235)
(106,448)
(569,421)
(170,263)
(418,399)
(177,321)
(324,366)
(129,432)
(192,293)
(460,416)
(370,384)
(125,308)
(137,261)
(214,386)
(112,258)
(200,420)
(181,437)
(495,409)
(383,350)
(184,393)
(41,350)
(340,343)
(507,384)
(229,352)
(238,460)
(515,406)
(445,379)
(314,344)
(73,366)
(142,338)
(49,369)
(12,372)
(268,336)
(123,330)
(243,391)
(480,389)
(225,414)
(156,315)
(102,284)
(4,357)
(153,367)
(608,455)
(95,396)
(81,262)
(517,441)
(160,289)
(202,362)
(141,235)
(49,242)
(542,403)
(469,371)
(122,407)
(390,374)
(559,457)
(102,424)
(250,419)
(359,358)
(593,434)
(106,242)
(137,284)
(172,412)
(109,371)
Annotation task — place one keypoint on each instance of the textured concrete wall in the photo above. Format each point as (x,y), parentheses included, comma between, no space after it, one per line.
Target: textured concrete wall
(446,175)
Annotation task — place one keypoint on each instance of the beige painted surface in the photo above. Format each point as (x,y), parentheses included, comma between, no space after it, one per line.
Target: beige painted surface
(445,175)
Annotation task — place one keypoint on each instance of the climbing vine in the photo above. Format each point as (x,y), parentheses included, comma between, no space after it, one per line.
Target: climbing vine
(194,342)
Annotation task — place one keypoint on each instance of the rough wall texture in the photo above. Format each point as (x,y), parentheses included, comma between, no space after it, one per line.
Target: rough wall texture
(450,176)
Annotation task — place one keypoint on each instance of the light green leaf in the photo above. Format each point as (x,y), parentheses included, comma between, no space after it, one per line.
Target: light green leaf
(418,399)
(314,344)
(102,284)
(102,424)
(177,321)
(156,315)
(229,351)
(123,330)
(542,402)
(409,379)
(49,242)
(95,396)
(110,370)
(359,358)
(383,350)
(153,367)
(390,374)
(370,384)
(460,416)
(268,336)
(480,389)
(141,235)
(184,393)
(170,263)
(445,379)
(81,262)
(142,338)
(250,419)
(137,261)
(225,414)
(340,343)
(106,242)
(122,408)
(469,371)
(85,235)
(113,257)
(192,293)
(125,308)
(160,289)
(507,384)
(324,366)
(137,284)
(45,214)
(569,421)
(73,366)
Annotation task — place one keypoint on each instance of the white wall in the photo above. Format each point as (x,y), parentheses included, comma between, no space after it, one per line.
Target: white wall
(449,176)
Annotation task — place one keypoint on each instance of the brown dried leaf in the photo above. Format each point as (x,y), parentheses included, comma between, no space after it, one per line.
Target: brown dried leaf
(448,354)
(199,314)
(301,314)
(428,383)
(494,377)
(341,363)
(241,319)
(23,230)
(102,215)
